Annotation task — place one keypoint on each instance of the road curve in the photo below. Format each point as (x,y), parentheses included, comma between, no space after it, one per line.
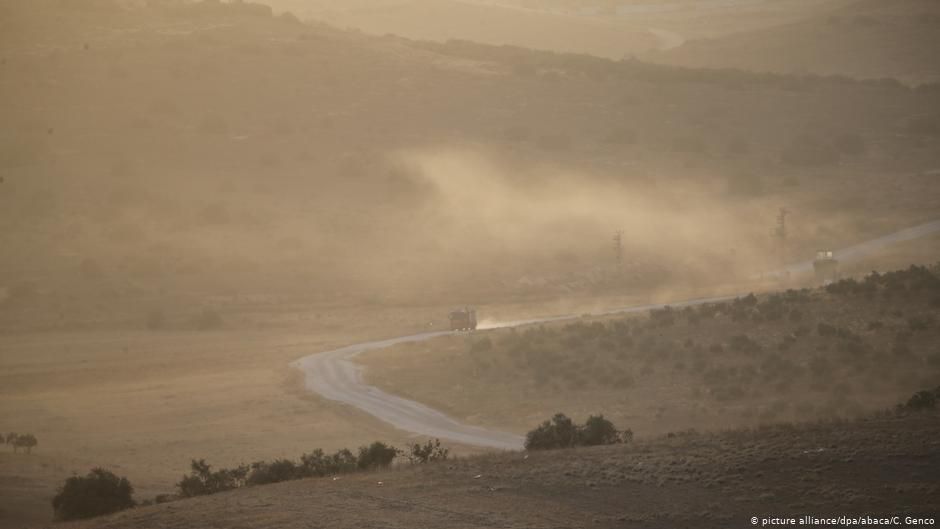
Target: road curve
(335,376)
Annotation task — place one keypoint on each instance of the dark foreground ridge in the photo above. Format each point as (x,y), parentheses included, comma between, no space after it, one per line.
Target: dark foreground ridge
(883,465)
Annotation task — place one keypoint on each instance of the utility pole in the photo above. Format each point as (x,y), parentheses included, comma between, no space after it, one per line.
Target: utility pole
(781,231)
(618,250)
(781,234)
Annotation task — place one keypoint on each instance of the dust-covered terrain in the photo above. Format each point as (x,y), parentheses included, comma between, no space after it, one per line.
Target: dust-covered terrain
(196,194)
(897,39)
(852,348)
(878,467)
(158,160)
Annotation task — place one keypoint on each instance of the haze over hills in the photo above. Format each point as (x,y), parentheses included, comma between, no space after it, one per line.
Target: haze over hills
(612,29)
(194,195)
(233,153)
(857,38)
(491,24)
(865,39)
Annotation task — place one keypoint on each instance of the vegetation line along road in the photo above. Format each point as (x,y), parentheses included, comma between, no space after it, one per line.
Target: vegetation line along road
(334,375)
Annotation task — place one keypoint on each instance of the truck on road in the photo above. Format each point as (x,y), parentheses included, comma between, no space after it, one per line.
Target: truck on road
(464,319)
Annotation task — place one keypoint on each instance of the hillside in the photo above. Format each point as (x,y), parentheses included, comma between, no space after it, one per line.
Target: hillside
(868,39)
(494,24)
(196,194)
(883,466)
(605,28)
(179,157)
(851,348)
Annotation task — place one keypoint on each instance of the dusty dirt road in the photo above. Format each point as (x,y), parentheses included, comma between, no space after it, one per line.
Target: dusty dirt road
(335,376)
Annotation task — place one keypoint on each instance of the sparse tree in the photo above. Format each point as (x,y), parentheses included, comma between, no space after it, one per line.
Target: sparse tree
(599,431)
(922,400)
(27,441)
(279,470)
(202,480)
(430,451)
(376,455)
(560,432)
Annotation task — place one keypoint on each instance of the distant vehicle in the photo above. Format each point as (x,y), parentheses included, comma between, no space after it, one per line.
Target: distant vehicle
(464,319)
(826,267)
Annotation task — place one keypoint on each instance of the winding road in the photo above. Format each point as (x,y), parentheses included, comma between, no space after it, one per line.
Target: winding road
(335,376)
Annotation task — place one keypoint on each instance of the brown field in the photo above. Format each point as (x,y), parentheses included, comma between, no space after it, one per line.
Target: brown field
(193,196)
(146,402)
(703,368)
(870,467)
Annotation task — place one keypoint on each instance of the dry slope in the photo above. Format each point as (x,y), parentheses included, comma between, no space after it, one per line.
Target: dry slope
(875,467)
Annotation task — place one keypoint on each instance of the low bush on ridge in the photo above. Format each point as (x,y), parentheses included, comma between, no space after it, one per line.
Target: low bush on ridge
(97,494)
(562,432)
(928,399)
(202,480)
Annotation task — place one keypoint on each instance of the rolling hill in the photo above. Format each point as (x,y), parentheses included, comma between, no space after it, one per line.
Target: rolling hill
(179,154)
(866,39)
(864,468)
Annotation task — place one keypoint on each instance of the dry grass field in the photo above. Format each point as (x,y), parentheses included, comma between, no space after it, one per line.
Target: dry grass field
(145,402)
(780,357)
(881,466)
(192,196)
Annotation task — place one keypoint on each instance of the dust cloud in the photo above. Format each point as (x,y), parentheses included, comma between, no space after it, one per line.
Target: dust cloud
(196,194)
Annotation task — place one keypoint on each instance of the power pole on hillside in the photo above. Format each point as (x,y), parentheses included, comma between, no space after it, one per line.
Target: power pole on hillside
(781,234)
(781,231)
(618,250)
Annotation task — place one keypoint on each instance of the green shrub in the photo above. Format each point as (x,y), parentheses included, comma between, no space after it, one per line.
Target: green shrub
(428,452)
(96,494)
(561,432)
(317,463)
(376,455)
(922,400)
(202,480)
(279,470)
(598,431)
